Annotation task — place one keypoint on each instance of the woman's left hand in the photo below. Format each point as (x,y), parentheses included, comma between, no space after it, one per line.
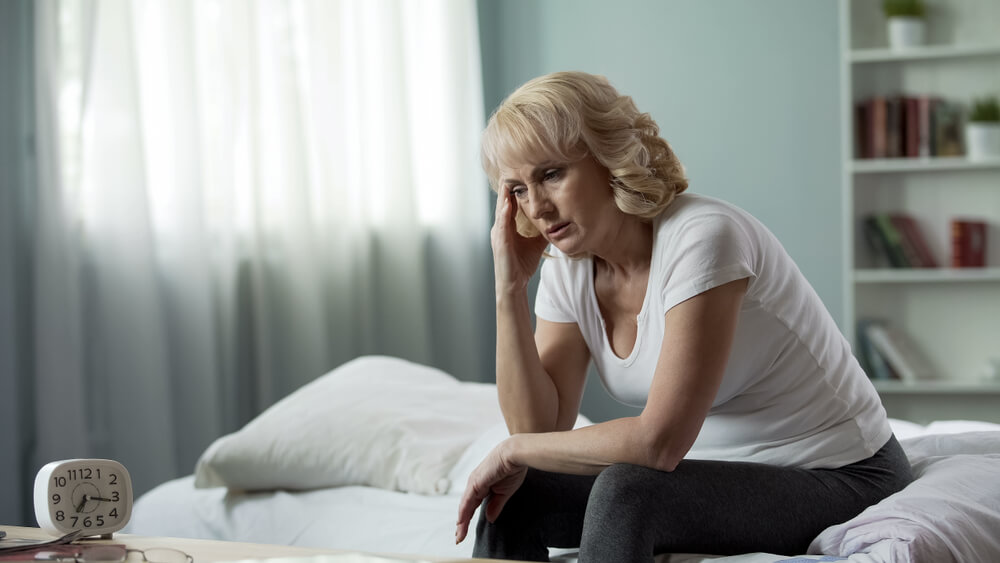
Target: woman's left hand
(498,478)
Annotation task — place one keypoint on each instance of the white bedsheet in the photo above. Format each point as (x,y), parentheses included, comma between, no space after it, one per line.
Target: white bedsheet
(352,518)
(959,473)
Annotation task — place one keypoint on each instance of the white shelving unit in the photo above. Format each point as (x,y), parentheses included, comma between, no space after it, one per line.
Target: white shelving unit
(952,314)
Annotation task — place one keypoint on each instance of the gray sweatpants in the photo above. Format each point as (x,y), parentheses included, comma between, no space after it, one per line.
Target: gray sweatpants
(629,513)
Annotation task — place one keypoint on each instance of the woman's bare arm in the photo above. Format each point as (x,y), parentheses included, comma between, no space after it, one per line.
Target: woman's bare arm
(698,336)
(540,378)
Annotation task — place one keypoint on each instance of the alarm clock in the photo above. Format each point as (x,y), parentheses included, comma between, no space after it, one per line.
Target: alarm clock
(93,496)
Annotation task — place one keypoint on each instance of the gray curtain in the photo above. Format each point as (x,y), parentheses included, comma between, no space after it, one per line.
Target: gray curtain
(137,329)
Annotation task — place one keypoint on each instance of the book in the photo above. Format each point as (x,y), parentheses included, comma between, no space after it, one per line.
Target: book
(886,240)
(871,361)
(911,126)
(17,544)
(947,129)
(69,552)
(968,243)
(925,109)
(918,253)
(911,129)
(894,127)
(876,243)
(862,148)
(878,127)
(907,246)
(901,354)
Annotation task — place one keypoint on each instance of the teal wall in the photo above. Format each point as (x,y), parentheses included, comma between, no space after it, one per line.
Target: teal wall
(747,93)
(16,190)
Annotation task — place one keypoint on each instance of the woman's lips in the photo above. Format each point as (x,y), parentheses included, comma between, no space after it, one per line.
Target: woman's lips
(557,231)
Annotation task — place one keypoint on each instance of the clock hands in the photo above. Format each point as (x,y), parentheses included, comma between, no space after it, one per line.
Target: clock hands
(83,502)
(86,497)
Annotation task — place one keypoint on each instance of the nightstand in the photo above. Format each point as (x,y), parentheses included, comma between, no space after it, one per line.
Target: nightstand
(204,551)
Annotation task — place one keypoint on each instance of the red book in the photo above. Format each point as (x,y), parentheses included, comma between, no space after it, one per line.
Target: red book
(911,128)
(914,243)
(862,148)
(968,244)
(879,127)
(925,108)
(894,127)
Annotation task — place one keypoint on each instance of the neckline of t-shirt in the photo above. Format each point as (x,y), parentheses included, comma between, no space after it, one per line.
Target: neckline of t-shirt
(640,319)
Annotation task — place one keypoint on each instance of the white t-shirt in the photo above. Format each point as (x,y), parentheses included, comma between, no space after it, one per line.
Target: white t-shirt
(792,393)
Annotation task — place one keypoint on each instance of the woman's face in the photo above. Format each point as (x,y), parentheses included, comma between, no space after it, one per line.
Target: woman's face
(570,203)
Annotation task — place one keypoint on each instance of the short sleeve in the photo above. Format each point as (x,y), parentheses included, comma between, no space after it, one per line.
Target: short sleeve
(705,252)
(553,300)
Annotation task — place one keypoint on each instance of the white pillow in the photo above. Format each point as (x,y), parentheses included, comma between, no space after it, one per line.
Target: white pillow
(482,445)
(375,421)
(950,512)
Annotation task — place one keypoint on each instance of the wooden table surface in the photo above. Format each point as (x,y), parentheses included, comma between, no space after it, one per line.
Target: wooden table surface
(215,550)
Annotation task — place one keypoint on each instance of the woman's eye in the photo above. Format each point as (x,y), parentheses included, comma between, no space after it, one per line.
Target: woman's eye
(519,192)
(552,174)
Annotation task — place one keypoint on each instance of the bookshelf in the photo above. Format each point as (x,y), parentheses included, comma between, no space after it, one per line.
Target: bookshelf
(951,314)
(944,163)
(882,55)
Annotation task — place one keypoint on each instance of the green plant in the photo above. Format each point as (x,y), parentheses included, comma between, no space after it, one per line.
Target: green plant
(986,109)
(911,8)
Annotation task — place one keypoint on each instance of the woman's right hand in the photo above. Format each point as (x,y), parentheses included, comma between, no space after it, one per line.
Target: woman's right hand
(515,257)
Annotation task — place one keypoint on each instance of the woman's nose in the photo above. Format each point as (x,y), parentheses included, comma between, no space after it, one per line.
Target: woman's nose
(539,204)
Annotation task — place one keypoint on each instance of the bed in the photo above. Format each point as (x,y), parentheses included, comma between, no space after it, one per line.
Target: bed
(373,457)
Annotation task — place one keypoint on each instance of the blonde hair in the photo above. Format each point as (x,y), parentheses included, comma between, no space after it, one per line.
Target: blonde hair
(568,115)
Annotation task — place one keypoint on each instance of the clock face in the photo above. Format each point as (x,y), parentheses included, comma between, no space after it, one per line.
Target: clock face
(91,495)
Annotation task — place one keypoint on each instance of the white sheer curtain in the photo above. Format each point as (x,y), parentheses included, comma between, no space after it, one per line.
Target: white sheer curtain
(236,196)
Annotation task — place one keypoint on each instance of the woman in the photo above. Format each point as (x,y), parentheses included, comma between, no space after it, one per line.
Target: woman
(758,428)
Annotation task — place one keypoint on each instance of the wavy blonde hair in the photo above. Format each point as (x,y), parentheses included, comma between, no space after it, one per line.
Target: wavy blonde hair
(568,115)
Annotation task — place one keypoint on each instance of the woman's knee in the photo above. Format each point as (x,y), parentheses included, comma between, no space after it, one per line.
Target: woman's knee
(619,513)
(620,493)
(547,510)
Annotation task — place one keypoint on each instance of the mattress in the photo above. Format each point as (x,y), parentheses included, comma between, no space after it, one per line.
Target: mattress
(353,518)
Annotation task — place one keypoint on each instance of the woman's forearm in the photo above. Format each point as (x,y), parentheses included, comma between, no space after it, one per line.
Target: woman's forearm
(528,397)
(588,450)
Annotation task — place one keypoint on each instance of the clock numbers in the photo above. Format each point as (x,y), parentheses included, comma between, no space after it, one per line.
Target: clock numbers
(86,475)
(91,495)
(86,521)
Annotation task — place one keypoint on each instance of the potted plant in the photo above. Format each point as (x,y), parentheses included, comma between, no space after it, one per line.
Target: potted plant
(982,132)
(906,23)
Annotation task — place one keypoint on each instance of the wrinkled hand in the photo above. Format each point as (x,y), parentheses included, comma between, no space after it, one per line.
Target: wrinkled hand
(515,258)
(497,478)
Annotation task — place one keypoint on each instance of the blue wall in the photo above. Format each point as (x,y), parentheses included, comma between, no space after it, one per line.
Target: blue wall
(747,93)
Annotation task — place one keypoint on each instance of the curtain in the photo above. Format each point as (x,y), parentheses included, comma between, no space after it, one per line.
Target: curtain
(236,196)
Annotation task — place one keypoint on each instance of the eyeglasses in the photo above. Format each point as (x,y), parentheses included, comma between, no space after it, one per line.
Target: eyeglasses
(112,554)
(158,555)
